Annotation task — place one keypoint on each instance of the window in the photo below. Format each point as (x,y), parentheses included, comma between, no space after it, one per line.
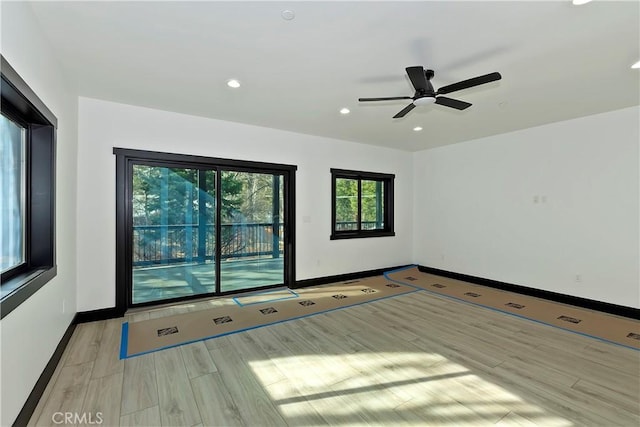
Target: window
(12,194)
(361,204)
(27,191)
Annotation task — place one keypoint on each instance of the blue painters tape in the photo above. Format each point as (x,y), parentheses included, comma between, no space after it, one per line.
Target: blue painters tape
(502,311)
(124,340)
(123,352)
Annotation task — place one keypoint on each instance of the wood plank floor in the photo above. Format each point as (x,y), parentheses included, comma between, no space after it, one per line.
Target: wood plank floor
(416,359)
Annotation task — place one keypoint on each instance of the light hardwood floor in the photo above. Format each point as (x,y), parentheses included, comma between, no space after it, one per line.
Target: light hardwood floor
(416,359)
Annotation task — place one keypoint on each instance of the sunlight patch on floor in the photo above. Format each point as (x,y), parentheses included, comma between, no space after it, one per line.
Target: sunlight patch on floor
(402,388)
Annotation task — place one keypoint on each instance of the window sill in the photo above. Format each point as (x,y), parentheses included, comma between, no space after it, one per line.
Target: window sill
(361,234)
(18,289)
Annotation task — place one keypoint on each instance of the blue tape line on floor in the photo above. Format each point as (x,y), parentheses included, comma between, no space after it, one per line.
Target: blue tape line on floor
(124,340)
(125,326)
(501,311)
(260,326)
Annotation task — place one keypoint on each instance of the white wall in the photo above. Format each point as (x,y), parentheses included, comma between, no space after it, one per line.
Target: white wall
(475,211)
(31,332)
(104,125)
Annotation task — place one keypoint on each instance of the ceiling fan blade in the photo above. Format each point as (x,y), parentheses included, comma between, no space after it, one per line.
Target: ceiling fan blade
(390,98)
(476,81)
(453,103)
(404,111)
(418,78)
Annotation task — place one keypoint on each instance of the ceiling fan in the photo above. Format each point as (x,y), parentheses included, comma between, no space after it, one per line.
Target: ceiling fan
(425,94)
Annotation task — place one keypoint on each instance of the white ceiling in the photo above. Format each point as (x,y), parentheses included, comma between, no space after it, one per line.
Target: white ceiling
(558,61)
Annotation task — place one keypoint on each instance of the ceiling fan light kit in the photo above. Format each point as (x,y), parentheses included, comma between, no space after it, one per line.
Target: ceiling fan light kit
(425,100)
(425,93)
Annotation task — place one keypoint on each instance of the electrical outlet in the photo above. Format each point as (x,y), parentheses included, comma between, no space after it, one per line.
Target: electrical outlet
(63,306)
(578,278)
(536,199)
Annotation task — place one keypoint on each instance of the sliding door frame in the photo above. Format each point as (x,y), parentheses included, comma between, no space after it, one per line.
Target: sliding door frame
(127,158)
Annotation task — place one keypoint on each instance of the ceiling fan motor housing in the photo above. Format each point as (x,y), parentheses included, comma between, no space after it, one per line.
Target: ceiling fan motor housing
(427,91)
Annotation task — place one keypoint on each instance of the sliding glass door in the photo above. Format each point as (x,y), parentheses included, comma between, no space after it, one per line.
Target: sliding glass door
(190,227)
(173,215)
(251,230)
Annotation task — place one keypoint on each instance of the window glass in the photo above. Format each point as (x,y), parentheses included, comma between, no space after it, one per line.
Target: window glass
(372,205)
(12,194)
(346,204)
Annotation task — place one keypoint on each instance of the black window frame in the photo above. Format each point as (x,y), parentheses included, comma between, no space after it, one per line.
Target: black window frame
(126,158)
(388,203)
(20,104)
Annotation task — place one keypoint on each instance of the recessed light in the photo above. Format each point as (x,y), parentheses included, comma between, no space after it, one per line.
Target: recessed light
(344,111)
(636,65)
(288,15)
(580,2)
(233,83)
(417,129)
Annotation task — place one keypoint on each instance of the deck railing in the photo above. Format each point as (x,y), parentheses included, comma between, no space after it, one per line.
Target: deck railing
(353,225)
(169,244)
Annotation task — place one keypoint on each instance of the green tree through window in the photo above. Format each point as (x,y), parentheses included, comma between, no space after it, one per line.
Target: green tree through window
(362,204)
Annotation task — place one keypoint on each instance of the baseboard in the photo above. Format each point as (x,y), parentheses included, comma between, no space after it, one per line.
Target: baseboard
(342,277)
(618,310)
(95,315)
(36,393)
(38,390)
